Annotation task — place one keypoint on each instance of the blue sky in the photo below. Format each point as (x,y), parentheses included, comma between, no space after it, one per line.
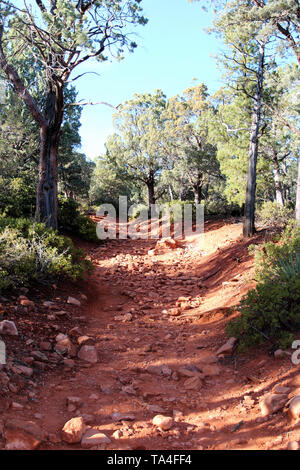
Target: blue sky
(173,50)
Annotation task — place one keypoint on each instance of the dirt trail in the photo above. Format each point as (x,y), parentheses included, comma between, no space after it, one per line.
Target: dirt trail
(151,362)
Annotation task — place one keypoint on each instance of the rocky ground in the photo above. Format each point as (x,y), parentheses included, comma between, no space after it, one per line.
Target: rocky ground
(136,357)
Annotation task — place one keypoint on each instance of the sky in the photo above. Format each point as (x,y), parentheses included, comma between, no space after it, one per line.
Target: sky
(173,50)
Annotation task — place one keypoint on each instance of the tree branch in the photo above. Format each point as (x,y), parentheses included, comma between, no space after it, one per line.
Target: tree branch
(19,86)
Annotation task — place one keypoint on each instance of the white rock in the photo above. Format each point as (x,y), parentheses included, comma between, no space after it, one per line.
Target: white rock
(93,437)
(163,422)
(73,430)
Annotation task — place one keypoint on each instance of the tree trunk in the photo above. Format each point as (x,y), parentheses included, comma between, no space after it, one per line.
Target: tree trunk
(46,197)
(198,194)
(278,187)
(297,214)
(151,193)
(249,227)
(198,189)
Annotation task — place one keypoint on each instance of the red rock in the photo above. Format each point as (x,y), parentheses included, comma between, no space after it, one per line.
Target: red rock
(22,435)
(27,371)
(45,346)
(8,328)
(227,347)
(73,301)
(89,354)
(27,303)
(294,408)
(66,346)
(272,402)
(73,430)
(82,340)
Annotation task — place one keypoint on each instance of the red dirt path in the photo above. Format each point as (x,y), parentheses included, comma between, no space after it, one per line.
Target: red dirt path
(128,280)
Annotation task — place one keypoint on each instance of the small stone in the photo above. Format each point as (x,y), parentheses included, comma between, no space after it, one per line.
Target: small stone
(194,383)
(75,332)
(279,354)
(89,354)
(163,422)
(54,438)
(75,401)
(93,437)
(45,346)
(27,303)
(73,301)
(94,396)
(69,363)
(227,347)
(123,318)
(65,346)
(8,328)
(280,389)
(122,417)
(27,371)
(38,355)
(210,370)
(60,337)
(82,340)
(272,403)
(293,445)
(17,406)
(73,430)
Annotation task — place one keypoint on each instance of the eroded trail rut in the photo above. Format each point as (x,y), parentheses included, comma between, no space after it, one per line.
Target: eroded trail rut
(157,322)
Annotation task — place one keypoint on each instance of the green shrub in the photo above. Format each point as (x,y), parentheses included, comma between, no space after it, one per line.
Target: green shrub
(271,311)
(30,252)
(272,214)
(17,195)
(70,220)
(278,258)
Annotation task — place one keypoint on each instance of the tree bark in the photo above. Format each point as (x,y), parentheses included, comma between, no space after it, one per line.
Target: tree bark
(297,214)
(46,197)
(151,192)
(248,226)
(278,187)
(198,188)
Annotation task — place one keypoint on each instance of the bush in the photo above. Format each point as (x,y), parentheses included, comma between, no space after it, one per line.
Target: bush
(17,195)
(70,220)
(271,311)
(30,252)
(272,214)
(278,259)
